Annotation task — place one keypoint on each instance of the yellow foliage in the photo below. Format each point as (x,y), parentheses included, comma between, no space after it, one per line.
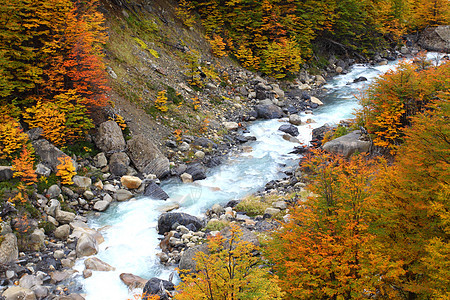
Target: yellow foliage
(20,197)
(12,138)
(246,58)
(50,119)
(161,101)
(217,46)
(66,170)
(282,57)
(196,103)
(183,11)
(119,120)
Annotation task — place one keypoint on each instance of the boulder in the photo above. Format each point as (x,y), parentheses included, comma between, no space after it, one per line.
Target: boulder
(294,119)
(348,144)
(8,249)
(436,39)
(79,228)
(268,111)
(86,245)
(133,281)
(316,101)
(64,217)
(156,286)
(231,125)
(167,220)
(48,154)
(153,191)
(100,160)
(186,178)
(82,181)
(247,235)
(54,191)
(36,240)
(118,163)
(53,206)
(109,137)
(18,292)
(95,264)
(6,173)
(131,182)
(290,129)
(123,195)
(41,170)
(197,171)
(35,133)
(187,263)
(146,157)
(62,232)
(30,281)
(101,205)
(360,79)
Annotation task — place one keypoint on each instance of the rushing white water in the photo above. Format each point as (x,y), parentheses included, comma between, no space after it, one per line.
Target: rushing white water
(131,239)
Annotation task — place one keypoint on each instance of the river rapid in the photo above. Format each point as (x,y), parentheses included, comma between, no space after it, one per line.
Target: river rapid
(129,228)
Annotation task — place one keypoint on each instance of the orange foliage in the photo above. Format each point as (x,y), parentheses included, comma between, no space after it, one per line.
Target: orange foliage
(218,46)
(23,167)
(325,250)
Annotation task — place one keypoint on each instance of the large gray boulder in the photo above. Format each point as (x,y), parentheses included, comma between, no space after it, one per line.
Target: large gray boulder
(167,220)
(86,245)
(49,154)
(348,144)
(187,263)
(146,157)
(109,137)
(8,249)
(270,111)
(6,173)
(118,163)
(436,38)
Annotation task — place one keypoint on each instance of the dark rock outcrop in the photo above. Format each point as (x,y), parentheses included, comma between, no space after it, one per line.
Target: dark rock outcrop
(197,171)
(48,153)
(153,191)
(156,286)
(268,111)
(167,220)
(290,129)
(436,38)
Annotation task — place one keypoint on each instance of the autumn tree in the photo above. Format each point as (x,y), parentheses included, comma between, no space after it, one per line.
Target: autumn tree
(66,170)
(23,167)
(229,271)
(412,209)
(393,98)
(325,250)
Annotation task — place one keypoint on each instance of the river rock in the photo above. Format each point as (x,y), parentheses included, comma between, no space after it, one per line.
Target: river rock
(271,211)
(53,191)
(186,178)
(8,249)
(58,254)
(58,276)
(101,205)
(290,138)
(123,195)
(280,205)
(320,80)
(42,170)
(316,101)
(131,182)
(30,281)
(62,232)
(153,287)
(199,154)
(167,220)
(294,119)
(49,154)
(109,137)
(6,173)
(436,38)
(64,217)
(95,264)
(86,245)
(154,191)
(82,181)
(118,163)
(204,142)
(100,160)
(289,128)
(88,195)
(146,157)
(187,263)
(133,281)
(36,240)
(231,125)
(268,111)
(18,292)
(79,228)
(197,171)
(348,144)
